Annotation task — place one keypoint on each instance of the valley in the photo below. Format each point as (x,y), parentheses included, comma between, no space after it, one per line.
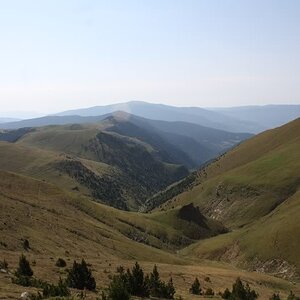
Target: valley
(123,190)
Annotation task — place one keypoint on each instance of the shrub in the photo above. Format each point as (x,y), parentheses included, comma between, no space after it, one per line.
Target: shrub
(3,264)
(29,281)
(80,277)
(226,294)
(195,288)
(61,263)
(209,292)
(59,290)
(292,296)
(275,297)
(24,268)
(26,245)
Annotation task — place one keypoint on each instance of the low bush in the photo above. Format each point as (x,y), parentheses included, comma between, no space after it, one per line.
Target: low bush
(61,263)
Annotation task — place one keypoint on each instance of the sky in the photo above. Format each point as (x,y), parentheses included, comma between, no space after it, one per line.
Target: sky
(64,54)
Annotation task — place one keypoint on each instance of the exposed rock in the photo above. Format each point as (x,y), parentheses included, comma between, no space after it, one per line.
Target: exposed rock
(277,267)
(25,296)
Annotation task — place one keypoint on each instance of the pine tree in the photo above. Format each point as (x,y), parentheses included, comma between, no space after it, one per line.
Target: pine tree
(170,290)
(80,277)
(154,283)
(195,288)
(292,296)
(226,294)
(24,268)
(275,297)
(239,291)
(136,283)
(117,289)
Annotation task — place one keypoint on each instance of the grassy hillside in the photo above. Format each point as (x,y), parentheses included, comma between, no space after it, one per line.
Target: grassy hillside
(115,169)
(194,144)
(253,190)
(121,160)
(249,181)
(58,224)
(267,245)
(176,142)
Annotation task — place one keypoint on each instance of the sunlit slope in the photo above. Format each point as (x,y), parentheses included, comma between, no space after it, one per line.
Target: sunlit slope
(117,170)
(55,222)
(47,166)
(249,181)
(270,244)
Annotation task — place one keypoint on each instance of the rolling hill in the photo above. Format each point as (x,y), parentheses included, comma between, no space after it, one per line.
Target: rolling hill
(60,224)
(121,160)
(254,190)
(7,120)
(110,168)
(188,144)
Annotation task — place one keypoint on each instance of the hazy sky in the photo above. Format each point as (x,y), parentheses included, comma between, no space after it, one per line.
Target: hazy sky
(57,55)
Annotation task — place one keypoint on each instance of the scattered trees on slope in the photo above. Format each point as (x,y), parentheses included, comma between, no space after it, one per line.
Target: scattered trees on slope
(135,283)
(132,282)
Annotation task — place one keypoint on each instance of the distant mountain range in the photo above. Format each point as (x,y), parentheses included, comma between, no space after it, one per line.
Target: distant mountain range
(7,120)
(252,119)
(268,116)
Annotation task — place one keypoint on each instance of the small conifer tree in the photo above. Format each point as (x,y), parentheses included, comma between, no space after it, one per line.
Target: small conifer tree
(292,296)
(195,288)
(275,297)
(24,268)
(80,277)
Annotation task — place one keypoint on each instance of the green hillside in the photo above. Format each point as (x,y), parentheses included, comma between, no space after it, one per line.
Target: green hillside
(59,224)
(249,181)
(267,245)
(253,190)
(118,170)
